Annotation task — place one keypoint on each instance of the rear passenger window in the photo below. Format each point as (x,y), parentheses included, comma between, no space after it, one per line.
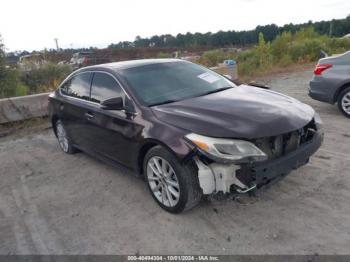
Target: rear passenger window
(104,87)
(78,86)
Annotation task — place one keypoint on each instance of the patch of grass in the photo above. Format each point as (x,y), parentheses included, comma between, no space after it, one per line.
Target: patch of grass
(46,78)
(14,82)
(10,82)
(21,89)
(286,50)
(163,55)
(212,58)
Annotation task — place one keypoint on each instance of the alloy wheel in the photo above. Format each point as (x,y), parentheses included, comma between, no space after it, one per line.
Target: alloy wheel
(163,181)
(345,103)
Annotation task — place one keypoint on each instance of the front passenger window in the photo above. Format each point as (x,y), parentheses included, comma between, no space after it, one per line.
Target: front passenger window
(104,87)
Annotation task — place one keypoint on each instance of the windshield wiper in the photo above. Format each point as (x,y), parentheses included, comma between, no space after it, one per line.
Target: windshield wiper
(207,93)
(163,102)
(216,90)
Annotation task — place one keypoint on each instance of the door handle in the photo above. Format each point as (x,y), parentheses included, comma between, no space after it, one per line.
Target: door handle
(89,115)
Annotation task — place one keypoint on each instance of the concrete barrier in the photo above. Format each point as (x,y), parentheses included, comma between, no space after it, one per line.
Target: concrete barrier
(23,107)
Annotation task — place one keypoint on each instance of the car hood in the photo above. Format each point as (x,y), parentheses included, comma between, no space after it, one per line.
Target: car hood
(241,112)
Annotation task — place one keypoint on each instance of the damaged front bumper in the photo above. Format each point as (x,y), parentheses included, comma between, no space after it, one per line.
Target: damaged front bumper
(241,178)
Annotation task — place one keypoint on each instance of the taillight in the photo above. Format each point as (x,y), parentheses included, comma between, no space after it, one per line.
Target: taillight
(320,68)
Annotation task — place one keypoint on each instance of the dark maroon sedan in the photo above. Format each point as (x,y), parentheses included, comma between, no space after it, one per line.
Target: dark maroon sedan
(187,130)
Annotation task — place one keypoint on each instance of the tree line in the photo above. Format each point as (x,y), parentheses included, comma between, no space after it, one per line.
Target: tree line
(333,28)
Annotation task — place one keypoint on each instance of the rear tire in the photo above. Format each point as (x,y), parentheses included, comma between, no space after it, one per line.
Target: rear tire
(174,186)
(64,141)
(344,102)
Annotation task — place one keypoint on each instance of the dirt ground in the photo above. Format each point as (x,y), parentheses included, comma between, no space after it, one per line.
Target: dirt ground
(53,203)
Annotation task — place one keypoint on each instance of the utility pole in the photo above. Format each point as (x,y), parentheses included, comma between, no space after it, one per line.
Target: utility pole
(56,41)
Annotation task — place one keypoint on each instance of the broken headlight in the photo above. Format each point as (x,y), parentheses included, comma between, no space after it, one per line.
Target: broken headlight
(318,121)
(227,150)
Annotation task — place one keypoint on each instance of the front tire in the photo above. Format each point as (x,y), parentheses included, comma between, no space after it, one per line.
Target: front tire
(344,102)
(174,186)
(63,139)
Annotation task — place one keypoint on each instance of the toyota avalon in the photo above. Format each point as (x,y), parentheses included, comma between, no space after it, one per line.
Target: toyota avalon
(186,129)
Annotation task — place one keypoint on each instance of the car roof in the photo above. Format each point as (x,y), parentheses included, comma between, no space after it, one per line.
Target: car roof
(115,66)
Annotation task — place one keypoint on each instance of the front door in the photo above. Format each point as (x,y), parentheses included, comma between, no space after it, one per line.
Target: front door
(111,132)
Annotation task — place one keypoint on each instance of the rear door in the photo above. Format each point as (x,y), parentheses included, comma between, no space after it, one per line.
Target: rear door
(111,132)
(73,111)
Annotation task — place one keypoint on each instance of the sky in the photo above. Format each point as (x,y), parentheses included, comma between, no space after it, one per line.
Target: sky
(34,24)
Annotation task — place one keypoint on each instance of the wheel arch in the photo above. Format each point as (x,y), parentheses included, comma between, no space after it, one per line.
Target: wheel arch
(339,90)
(146,146)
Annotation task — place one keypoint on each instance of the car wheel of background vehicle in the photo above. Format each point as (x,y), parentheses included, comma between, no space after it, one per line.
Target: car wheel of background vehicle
(174,186)
(344,102)
(63,139)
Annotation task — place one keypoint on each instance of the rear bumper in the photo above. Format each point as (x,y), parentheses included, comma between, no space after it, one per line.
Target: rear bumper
(320,90)
(268,172)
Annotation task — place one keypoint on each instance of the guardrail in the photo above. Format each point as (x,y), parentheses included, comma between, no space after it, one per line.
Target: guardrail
(23,107)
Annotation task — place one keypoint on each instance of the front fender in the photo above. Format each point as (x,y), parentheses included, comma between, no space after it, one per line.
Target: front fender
(172,139)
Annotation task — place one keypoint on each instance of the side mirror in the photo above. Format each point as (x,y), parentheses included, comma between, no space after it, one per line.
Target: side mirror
(115,103)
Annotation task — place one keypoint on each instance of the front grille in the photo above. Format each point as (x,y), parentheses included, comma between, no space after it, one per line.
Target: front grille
(283,144)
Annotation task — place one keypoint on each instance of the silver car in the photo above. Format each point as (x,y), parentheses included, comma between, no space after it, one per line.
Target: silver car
(331,81)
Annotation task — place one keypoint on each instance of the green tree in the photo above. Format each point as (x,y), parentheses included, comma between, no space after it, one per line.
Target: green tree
(263,52)
(280,46)
(10,84)
(340,27)
(3,71)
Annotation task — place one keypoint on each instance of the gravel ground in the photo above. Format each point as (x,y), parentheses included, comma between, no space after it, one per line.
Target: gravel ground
(52,203)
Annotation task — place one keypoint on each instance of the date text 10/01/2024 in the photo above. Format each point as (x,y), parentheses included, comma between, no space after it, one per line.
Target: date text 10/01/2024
(173,258)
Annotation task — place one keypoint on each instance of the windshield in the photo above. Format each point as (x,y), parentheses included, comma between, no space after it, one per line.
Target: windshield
(167,82)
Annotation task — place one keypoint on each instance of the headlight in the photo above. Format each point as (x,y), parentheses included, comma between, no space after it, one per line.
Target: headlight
(229,150)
